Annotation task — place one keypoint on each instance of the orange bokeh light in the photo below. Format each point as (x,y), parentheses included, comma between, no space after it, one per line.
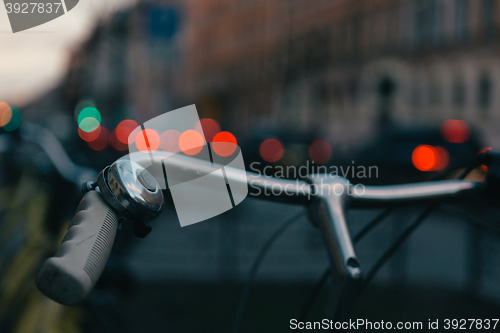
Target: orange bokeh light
(102,141)
(147,140)
(271,150)
(123,130)
(169,141)
(5,114)
(89,136)
(224,144)
(320,151)
(191,142)
(455,131)
(208,127)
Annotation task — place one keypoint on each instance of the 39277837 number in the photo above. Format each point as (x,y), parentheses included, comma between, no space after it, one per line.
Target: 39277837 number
(32,7)
(469,324)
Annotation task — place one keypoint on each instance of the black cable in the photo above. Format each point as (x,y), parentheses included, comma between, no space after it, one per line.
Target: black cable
(255,265)
(397,244)
(322,281)
(479,222)
(314,293)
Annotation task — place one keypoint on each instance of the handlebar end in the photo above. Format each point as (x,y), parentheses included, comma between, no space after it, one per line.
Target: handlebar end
(60,284)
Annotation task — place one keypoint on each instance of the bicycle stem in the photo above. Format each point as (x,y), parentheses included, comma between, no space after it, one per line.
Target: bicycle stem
(327,211)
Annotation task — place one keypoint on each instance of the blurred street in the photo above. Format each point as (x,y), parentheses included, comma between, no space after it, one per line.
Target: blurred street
(423,280)
(437,254)
(380,92)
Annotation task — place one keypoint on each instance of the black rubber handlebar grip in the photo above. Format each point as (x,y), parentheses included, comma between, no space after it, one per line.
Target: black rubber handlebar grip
(70,275)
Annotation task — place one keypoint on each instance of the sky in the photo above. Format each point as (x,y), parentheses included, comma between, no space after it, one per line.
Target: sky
(33,61)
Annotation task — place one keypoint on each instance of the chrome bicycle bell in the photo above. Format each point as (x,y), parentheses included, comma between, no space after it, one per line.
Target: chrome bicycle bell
(132,192)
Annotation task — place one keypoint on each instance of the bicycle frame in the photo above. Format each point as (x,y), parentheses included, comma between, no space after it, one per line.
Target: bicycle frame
(327,199)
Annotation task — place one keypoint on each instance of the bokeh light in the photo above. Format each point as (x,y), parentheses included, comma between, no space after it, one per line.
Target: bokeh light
(443,158)
(224,144)
(271,150)
(89,136)
(123,130)
(11,119)
(429,158)
(169,141)
(102,141)
(147,140)
(88,112)
(89,124)
(191,142)
(320,151)
(455,131)
(5,114)
(424,158)
(4,108)
(208,127)
(115,143)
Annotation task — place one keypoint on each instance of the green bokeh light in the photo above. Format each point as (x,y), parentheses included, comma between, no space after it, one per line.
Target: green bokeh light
(89,119)
(89,124)
(14,122)
(89,112)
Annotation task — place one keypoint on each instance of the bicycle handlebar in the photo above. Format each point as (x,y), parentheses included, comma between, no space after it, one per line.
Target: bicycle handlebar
(391,195)
(301,191)
(71,274)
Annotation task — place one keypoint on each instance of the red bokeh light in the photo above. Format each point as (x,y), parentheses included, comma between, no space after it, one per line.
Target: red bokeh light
(89,136)
(320,151)
(191,142)
(116,143)
(429,158)
(455,131)
(224,144)
(147,140)
(424,158)
(102,141)
(271,150)
(123,130)
(169,141)
(208,127)
(443,158)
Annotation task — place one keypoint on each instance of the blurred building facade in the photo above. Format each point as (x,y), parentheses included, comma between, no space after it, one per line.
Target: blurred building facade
(296,64)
